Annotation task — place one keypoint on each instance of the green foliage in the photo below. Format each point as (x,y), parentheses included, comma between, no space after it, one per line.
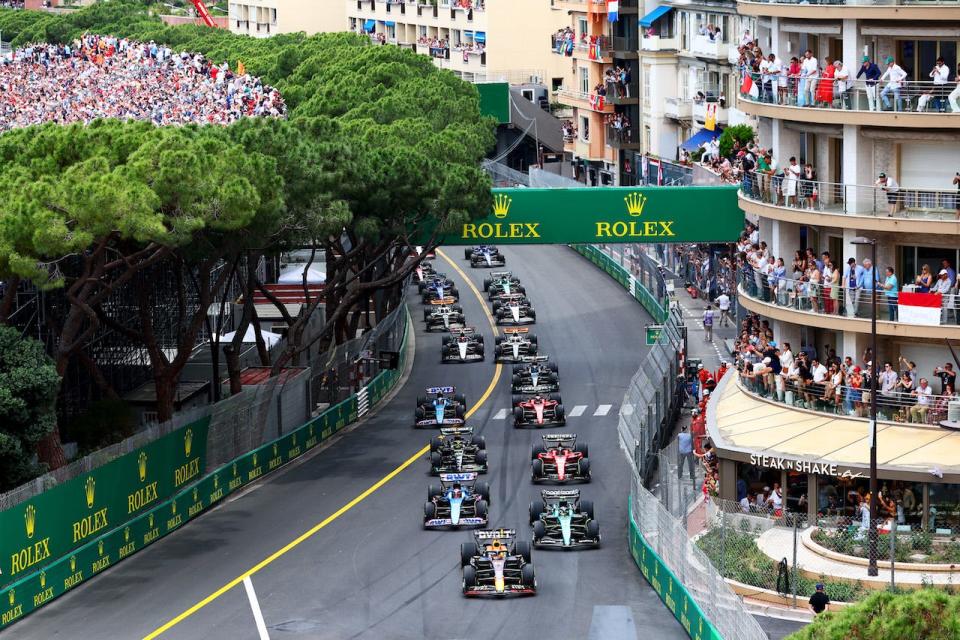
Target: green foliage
(742,133)
(930,614)
(853,542)
(104,422)
(28,391)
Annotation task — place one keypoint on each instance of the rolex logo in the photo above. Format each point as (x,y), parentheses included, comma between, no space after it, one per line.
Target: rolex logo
(188,442)
(234,468)
(173,507)
(635,203)
(100,548)
(13,597)
(254,460)
(151,521)
(43,579)
(142,465)
(126,534)
(73,564)
(88,489)
(501,205)
(195,494)
(30,519)
(294,439)
(216,481)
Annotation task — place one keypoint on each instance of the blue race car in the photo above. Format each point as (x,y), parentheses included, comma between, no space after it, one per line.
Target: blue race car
(441,406)
(484,255)
(459,501)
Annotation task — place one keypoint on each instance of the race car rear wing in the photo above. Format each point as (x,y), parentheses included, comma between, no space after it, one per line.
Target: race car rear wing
(495,533)
(510,330)
(458,430)
(559,437)
(457,477)
(500,274)
(559,493)
(436,390)
(467,330)
(447,300)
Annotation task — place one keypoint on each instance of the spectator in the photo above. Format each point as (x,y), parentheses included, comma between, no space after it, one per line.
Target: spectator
(953,98)
(809,68)
(890,291)
(685,454)
(924,281)
(924,395)
(941,78)
(871,73)
(825,85)
(708,324)
(956,176)
(791,179)
(948,377)
(852,281)
(844,82)
(819,600)
(723,304)
(808,187)
(894,75)
(892,189)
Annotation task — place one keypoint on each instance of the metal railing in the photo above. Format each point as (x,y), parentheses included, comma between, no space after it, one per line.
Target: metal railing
(841,301)
(620,135)
(898,404)
(826,92)
(857,3)
(850,199)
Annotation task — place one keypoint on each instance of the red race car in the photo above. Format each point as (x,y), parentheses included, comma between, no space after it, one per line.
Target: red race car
(538,411)
(560,459)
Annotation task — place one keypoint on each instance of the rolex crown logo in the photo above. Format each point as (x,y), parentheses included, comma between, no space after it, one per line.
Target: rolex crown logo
(294,439)
(142,465)
(13,596)
(188,442)
(173,507)
(216,481)
(635,203)
(151,521)
(30,519)
(100,548)
(88,489)
(73,564)
(274,449)
(501,205)
(43,579)
(234,468)
(195,494)
(126,534)
(254,460)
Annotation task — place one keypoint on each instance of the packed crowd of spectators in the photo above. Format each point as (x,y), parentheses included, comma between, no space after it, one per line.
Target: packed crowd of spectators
(805,81)
(619,125)
(569,130)
(11,4)
(106,77)
(617,80)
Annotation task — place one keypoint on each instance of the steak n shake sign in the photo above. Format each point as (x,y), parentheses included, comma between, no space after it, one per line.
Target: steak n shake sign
(606,215)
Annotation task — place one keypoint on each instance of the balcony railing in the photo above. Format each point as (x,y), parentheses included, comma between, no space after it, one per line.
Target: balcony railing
(841,301)
(677,108)
(858,3)
(620,137)
(704,47)
(850,199)
(826,93)
(659,43)
(896,405)
(590,101)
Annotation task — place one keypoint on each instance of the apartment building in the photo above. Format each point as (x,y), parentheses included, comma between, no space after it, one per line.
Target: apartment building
(264,18)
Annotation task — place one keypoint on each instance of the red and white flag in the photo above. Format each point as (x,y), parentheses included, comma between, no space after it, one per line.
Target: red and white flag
(920,308)
(749,87)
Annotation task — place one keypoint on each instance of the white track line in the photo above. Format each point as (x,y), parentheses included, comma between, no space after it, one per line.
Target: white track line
(255,605)
(603,410)
(500,415)
(577,411)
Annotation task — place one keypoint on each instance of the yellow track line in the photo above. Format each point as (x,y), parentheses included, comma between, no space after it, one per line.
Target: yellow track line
(360,498)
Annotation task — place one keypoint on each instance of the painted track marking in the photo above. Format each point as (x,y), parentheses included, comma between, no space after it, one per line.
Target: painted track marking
(577,411)
(603,410)
(357,500)
(500,415)
(255,606)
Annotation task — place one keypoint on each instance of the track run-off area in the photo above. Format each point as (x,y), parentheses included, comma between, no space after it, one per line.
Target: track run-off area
(333,546)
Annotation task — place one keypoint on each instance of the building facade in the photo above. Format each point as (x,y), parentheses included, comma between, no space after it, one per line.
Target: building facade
(264,18)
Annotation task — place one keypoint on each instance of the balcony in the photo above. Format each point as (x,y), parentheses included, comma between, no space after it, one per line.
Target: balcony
(862,9)
(586,101)
(699,112)
(659,43)
(621,138)
(620,47)
(677,108)
(799,302)
(588,6)
(704,47)
(912,105)
(614,96)
(864,207)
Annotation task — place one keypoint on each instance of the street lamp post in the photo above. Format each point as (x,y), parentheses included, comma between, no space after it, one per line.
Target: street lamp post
(872,566)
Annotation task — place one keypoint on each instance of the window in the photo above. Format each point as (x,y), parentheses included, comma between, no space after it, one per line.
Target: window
(646,85)
(582,27)
(423,30)
(583,73)
(585,128)
(917,57)
(647,138)
(684,84)
(684,31)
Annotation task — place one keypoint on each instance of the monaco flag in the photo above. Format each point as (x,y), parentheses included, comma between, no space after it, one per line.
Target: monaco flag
(749,87)
(920,308)
(613,10)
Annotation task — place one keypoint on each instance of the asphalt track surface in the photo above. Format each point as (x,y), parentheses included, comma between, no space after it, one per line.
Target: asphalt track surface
(373,572)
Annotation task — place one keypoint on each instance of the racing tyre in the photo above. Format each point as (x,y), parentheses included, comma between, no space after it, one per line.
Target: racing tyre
(467,253)
(523,550)
(593,529)
(454,293)
(560,414)
(446,340)
(528,576)
(533,340)
(536,469)
(583,466)
(536,508)
(516,380)
(539,530)
(516,399)
(554,396)
(426,315)
(480,458)
(435,443)
(429,511)
(582,448)
(553,367)
(469,578)
(497,340)
(461,399)
(483,490)
(435,460)
(466,554)
(486,284)
(586,506)
(517,417)
(497,351)
(419,413)
(496,306)
(460,411)
(482,509)
(421,400)
(479,442)
(532,315)
(536,450)
(433,491)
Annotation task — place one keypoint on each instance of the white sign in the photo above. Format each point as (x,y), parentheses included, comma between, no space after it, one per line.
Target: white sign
(802,466)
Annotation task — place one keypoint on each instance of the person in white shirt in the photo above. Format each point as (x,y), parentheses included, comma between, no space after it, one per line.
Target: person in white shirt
(941,78)
(954,97)
(723,303)
(892,189)
(818,371)
(775,499)
(924,396)
(894,75)
(842,75)
(809,68)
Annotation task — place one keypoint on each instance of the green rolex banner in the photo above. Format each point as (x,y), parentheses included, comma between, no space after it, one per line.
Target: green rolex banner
(67,516)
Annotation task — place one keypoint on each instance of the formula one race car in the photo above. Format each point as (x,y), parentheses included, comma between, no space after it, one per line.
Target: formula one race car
(495,563)
(538,411)
(560,459)
(443,314)
(457,450)
(561,520)
(431,278)
(516,345)
(418,251)
(513,308)
(484,256)
(500,283)
(440,288)
(424,271)
(442,406)
(539,376)
(459,501)
(462,345)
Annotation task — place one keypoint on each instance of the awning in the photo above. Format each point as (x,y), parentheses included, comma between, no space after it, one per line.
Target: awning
(390,23)
(480,36)
(370,26)
(653,16)
(467,34)
(697,139)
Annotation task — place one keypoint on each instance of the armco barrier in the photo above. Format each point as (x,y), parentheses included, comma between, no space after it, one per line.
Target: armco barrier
(658,311)
(50,579)
(671,590)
